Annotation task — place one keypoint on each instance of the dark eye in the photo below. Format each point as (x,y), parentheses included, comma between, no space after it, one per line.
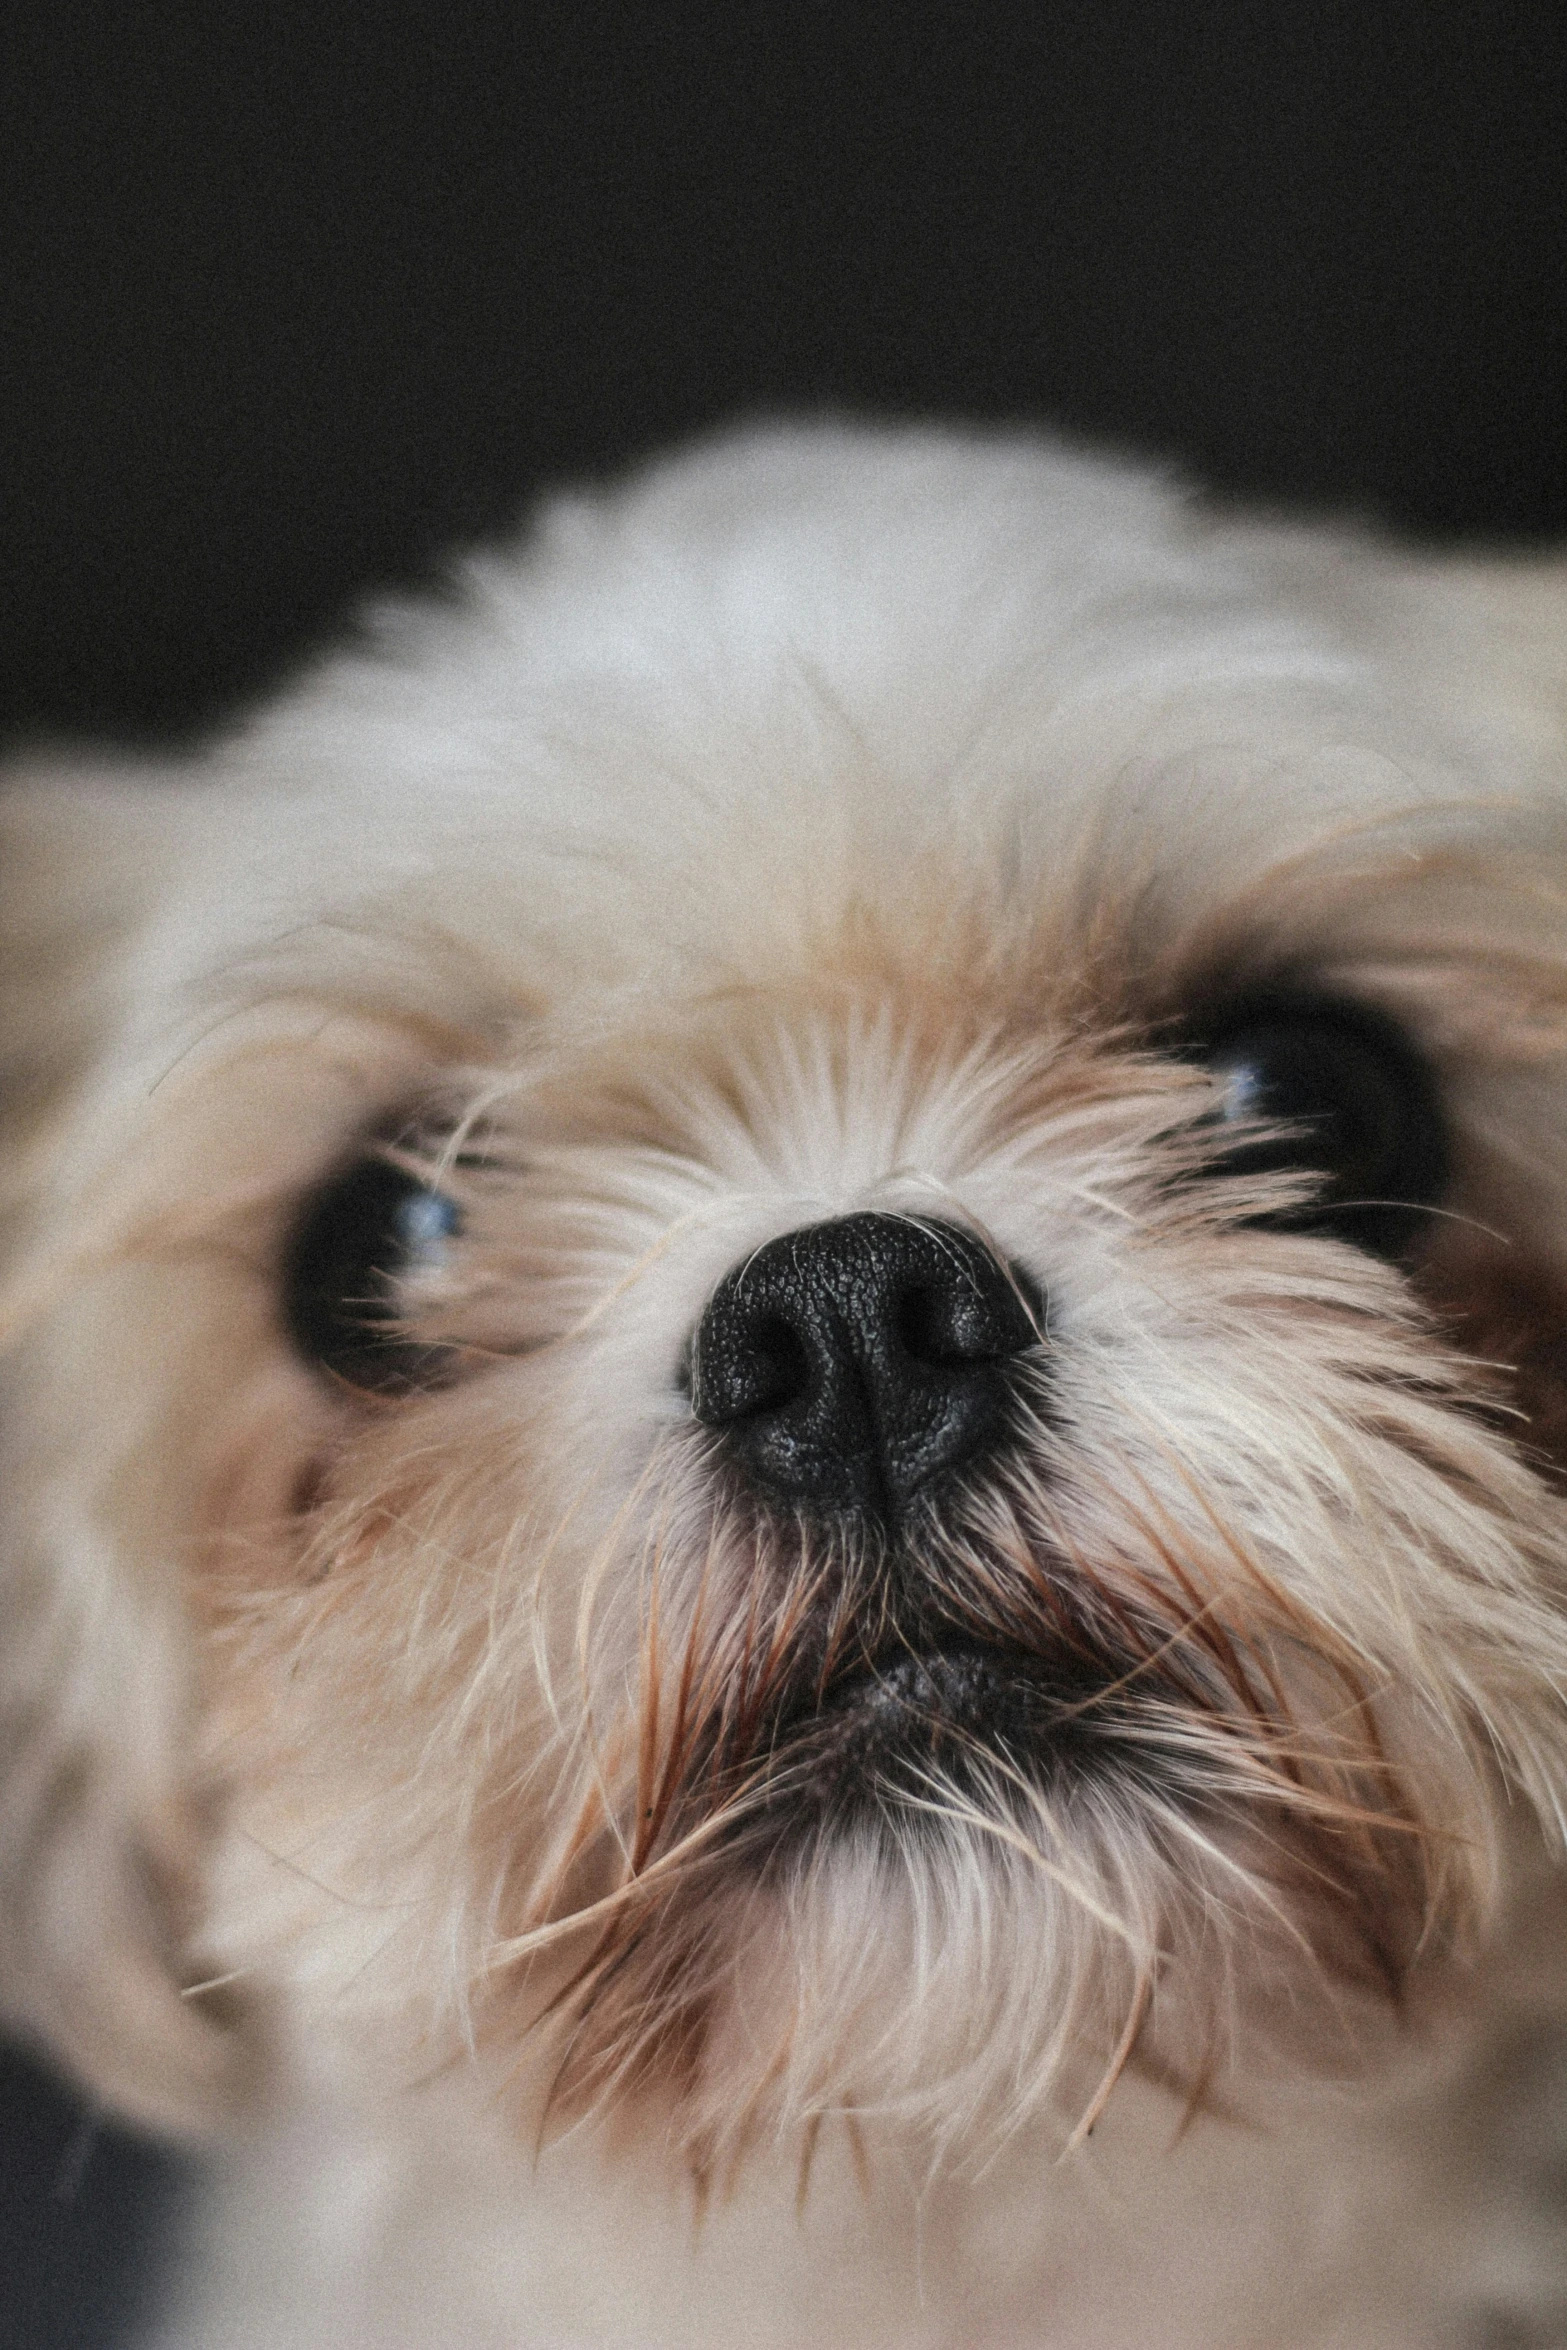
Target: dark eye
(1362,1111)
(359,1242)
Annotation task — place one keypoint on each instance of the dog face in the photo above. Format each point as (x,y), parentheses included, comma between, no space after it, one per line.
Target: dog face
(786,1314)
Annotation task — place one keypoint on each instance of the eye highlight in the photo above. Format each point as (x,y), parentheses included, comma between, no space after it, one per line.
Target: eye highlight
(1360,1108)
(362,1238)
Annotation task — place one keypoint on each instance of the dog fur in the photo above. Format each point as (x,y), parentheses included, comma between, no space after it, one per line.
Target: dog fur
(830,820)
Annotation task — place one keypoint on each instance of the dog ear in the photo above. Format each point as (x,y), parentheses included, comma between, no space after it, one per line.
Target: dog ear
(99,1837)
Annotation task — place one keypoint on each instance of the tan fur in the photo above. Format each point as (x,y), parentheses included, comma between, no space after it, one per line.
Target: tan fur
(830,822)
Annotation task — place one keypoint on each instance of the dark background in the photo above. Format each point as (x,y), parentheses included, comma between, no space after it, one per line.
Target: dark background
(294,299)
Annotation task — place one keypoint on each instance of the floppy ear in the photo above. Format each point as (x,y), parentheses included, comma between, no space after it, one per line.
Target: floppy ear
(98,1835)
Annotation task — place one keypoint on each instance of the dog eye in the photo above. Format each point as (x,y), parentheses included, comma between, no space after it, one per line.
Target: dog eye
(1361,1109)
(362,1238)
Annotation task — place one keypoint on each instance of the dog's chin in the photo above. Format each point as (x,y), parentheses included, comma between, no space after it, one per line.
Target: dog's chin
(958,1869)
(895,1719)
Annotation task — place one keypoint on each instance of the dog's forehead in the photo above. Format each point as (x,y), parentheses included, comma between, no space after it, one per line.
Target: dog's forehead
(807,685)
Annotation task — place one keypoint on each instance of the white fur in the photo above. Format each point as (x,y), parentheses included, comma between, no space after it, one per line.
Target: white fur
(830,819)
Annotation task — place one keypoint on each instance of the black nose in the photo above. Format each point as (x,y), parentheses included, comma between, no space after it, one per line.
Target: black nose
(851,1362)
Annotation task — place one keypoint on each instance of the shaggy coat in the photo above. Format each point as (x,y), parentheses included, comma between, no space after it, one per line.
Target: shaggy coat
(581,1899)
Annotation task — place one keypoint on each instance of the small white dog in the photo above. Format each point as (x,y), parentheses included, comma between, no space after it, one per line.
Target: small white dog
(784,1547)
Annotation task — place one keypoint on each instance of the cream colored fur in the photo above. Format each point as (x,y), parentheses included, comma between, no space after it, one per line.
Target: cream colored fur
(831,819)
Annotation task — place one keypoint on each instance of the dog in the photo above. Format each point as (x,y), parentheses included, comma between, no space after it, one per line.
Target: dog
(784,1423)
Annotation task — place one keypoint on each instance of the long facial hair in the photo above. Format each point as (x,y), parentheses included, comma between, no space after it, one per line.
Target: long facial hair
(947,1825)
(1210,1680)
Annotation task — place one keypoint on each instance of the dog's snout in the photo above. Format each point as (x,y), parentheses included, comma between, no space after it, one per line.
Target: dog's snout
(851,1362)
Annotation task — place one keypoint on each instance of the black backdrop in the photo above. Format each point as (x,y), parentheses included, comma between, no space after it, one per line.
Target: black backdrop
(293,298)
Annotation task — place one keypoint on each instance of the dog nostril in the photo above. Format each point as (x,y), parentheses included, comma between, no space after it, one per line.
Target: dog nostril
(850,1362)
(782,1365)
(928,1328)
(746,1362)
(962,1321)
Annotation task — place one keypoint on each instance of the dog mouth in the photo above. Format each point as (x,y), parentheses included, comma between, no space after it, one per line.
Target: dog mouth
(910,1728)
